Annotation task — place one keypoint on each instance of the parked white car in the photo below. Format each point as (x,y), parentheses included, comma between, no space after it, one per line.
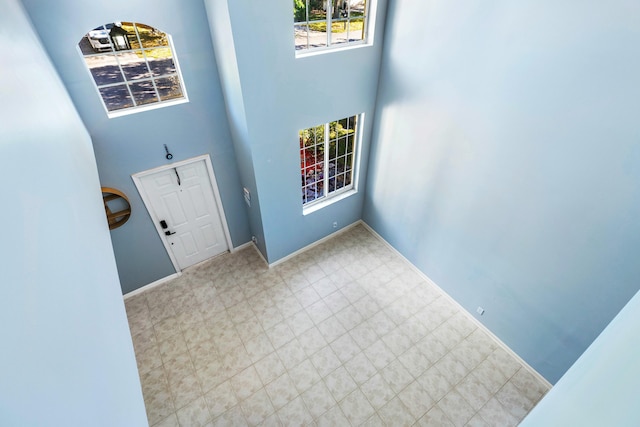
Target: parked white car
(99,38)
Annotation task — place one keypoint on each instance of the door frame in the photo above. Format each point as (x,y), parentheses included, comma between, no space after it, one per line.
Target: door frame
(137,180)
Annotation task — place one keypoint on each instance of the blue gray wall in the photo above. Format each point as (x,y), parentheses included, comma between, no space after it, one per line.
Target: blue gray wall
(506,161)
(67,357)
(130,144)
(271,95)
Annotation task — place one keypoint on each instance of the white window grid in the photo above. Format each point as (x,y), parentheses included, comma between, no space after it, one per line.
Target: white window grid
(328,163)
(154,80)
(302,30)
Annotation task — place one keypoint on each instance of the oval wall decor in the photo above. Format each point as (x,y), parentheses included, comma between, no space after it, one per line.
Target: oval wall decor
(116,206)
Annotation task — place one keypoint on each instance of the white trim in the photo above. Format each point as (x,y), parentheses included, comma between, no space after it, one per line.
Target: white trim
(336,195)
(138,108)
(151,285)
(327,200)
(316,243)
(242,246)
(148,107)
(332,47)
(462,309)
(315,51)
(137,180)
(260,253)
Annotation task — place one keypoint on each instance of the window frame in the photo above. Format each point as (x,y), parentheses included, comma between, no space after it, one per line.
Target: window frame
(332,46)
(126,83)
(330,197)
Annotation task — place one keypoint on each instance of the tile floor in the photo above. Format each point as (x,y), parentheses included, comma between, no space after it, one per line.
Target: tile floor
(344,334)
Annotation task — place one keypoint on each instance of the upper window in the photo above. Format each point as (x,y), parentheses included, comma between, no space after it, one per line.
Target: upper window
(133,66)
(324,23)
(328,158)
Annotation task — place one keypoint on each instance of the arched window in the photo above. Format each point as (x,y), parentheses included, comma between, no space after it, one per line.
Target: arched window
(133,66)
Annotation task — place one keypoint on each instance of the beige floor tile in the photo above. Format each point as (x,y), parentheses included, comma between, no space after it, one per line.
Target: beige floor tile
(318,399)
(304,375)
(395,413)
(258,347)
(319,311)
(514,400)
(435,383)
(280,334)
(497,415)
(195,414)
(300,323)
(360,368)
(356,407)
(291,354)
(377,391)
(325,361)
(364,335)
(282,390)
(257,407)
(246,382)
(170,421)
(159,406)
(346,333)
(295,413)
(379,354)
(416,399)
(345,348)
(312,341)
(473,392)
(435,418)
(457,408)
(185,390)
(220,399)
(340,383)
(532,388)
(269,368)
(396,376)
(332,418)
(331,329)
(231,418)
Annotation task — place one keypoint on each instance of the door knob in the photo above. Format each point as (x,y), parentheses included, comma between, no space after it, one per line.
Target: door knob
(169,233)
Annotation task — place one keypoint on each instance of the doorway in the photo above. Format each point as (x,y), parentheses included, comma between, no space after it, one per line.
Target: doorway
(183,201)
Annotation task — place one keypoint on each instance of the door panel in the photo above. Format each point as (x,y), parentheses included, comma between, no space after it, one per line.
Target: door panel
(185,199)
(173,208)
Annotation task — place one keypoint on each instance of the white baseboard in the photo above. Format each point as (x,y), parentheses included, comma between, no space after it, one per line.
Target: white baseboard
(462,309)
(151,285)
(178,274)
(316,243)
(241,247)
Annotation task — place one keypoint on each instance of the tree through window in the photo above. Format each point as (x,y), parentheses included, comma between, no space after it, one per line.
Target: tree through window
(132,65)
(327,158)
(324,23)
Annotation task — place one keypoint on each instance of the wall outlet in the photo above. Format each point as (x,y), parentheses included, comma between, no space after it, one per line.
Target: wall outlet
(335,224)
(480,311)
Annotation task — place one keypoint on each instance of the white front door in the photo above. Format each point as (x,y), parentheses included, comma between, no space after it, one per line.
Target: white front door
(183,202)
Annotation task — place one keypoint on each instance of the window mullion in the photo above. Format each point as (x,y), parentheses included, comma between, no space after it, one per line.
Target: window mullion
(329,13)
(308,24)
(348,20)
(325,165)
(124,76)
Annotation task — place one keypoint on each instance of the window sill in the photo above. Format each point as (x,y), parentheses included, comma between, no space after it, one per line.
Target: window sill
(331,200)
(149,107)
(305,53)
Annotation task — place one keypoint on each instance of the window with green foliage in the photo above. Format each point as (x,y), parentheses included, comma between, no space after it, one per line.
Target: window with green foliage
(326,23)
(327,158)
(133,66)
